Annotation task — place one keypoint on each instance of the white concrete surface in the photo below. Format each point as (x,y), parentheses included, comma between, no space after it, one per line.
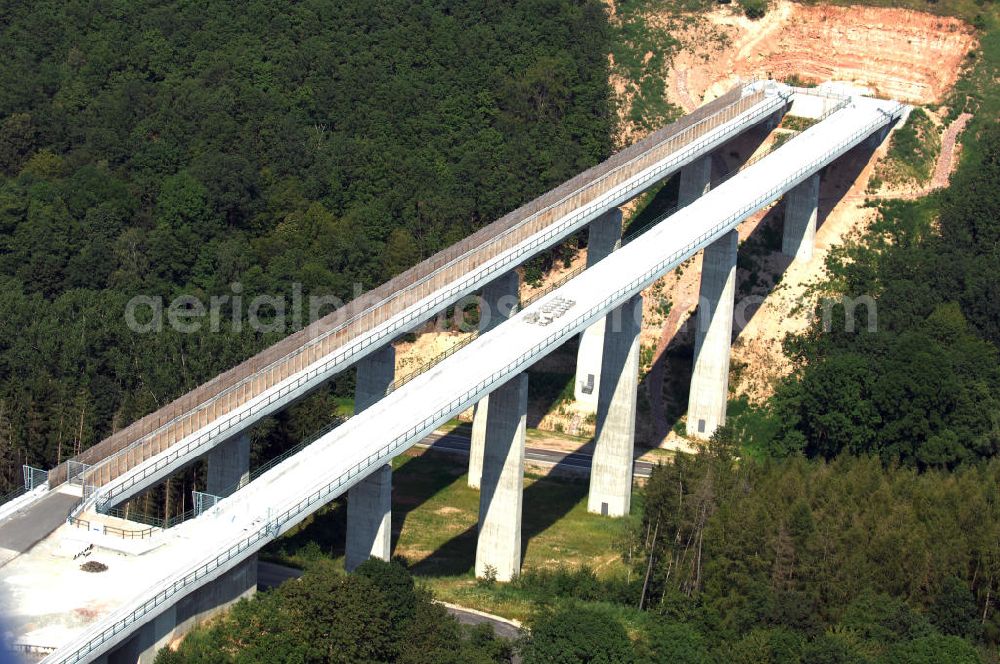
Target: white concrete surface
(611,470)
(712,338)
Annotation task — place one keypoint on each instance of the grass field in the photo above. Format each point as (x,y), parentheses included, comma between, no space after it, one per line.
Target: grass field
(434,529)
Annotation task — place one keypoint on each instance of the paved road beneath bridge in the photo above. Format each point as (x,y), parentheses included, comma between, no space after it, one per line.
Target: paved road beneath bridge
(569,463)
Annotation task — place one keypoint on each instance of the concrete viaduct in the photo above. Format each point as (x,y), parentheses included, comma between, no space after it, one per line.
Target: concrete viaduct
(200,566)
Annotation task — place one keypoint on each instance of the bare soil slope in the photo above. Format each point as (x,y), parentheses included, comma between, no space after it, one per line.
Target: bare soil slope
(902,54)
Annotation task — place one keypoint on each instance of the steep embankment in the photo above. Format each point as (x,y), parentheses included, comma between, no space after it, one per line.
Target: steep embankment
(895,53)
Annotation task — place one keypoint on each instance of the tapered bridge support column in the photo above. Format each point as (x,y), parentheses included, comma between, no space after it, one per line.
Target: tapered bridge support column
(228,466)
(696,178)
(878,137)
(713,335)
(611,471)
(498,550)
(774,120)
(499,301)
(369,502)
(801,208)
(604,236)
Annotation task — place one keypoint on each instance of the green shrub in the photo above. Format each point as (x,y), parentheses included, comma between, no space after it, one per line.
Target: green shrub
(754,9)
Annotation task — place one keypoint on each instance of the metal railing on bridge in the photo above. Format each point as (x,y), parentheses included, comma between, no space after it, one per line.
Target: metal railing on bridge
(143,449)
(181,584)
(200,409)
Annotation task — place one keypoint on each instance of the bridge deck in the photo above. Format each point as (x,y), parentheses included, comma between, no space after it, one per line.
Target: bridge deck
(141,465)
(198,551)
(339,331)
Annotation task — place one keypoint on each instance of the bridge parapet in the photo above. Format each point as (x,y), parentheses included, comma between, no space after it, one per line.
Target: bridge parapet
(287,494)
(331,338)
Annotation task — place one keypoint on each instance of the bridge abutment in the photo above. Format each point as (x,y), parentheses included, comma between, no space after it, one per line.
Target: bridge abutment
(369,502)
(499,301)
(611,469)
(604,235)
(713,335)
(498,550)
(801,210)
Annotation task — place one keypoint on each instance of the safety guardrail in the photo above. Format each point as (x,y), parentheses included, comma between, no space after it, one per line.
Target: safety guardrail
(235,392)
(127,533)
(16,493)
(115,531)
(78,522)
(169,588)
(149,520)
(404,322)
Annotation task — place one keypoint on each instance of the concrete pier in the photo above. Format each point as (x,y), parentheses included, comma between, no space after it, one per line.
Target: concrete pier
(774,120)
(713,335)
(499,302)
(498,549)
(228,466)
(696,178)
(611,470)
(369,502)
(801,207)
(369,519)
(604,236)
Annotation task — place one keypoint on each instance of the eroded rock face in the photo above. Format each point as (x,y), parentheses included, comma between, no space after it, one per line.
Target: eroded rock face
(906,55)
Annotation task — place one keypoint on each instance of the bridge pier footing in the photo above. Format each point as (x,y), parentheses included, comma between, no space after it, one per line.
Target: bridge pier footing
(498,550)
(369,502)
(611,470)
(696,178)
(713,336)
(499,301)
(228,466)
(604,236)
(801,209)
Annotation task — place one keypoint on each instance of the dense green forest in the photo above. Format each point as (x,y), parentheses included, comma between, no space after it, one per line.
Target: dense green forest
(168,148)
(790,561)
(376,614)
